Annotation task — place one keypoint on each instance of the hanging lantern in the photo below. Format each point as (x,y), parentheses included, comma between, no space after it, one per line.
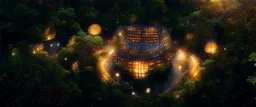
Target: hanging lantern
(211,48)
(94,29)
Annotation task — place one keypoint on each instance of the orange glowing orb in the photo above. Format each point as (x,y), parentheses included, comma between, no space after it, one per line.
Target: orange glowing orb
(94,29)
(211,48)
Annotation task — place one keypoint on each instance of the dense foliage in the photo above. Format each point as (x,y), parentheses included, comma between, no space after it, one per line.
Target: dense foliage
(228,78)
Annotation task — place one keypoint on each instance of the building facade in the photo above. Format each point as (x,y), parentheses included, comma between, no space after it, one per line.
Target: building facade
(141,49)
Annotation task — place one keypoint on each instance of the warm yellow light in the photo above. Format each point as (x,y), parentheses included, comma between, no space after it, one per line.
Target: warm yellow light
(189,36)
(94,29)
(104,72)
(211,48)
(75,66)
(72,39)
(13,53)
(180,67)
(177,96)
(51,45)
(195,74)
(195,66)
(181,55)
(65,59)
(37,48)
(117,74)
(111,52)
(214,0)
(120,34)
(49,36)
(225,49)
(133,93)
(148,90)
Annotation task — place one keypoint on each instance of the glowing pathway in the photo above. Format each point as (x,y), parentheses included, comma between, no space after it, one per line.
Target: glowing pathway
(195,66)
(104,73)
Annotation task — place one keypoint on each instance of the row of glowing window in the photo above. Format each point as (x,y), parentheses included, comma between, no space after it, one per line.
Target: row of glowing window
(142,36)
(152,62)
(144,39)
(149,48)
(146,29)
(166,57)
(140,29)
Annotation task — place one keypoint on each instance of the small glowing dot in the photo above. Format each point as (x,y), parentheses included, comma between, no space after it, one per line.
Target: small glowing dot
(51,45)
(133,93)
(117,74)
(58,44)
(34,52)
(177,96)
(65,59)
(13,53)
(148,90)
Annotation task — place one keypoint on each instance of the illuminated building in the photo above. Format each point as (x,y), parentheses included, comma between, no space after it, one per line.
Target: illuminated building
(141,49)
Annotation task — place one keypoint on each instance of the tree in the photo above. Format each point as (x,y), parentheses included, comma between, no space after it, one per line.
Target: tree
(252,57)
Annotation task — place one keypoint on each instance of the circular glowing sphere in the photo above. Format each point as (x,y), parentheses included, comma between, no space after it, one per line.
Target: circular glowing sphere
(94,29)
(211,48)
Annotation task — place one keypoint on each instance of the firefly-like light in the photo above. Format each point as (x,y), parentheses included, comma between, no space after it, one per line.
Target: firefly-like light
(133,93)
(117,74)
(148,90)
